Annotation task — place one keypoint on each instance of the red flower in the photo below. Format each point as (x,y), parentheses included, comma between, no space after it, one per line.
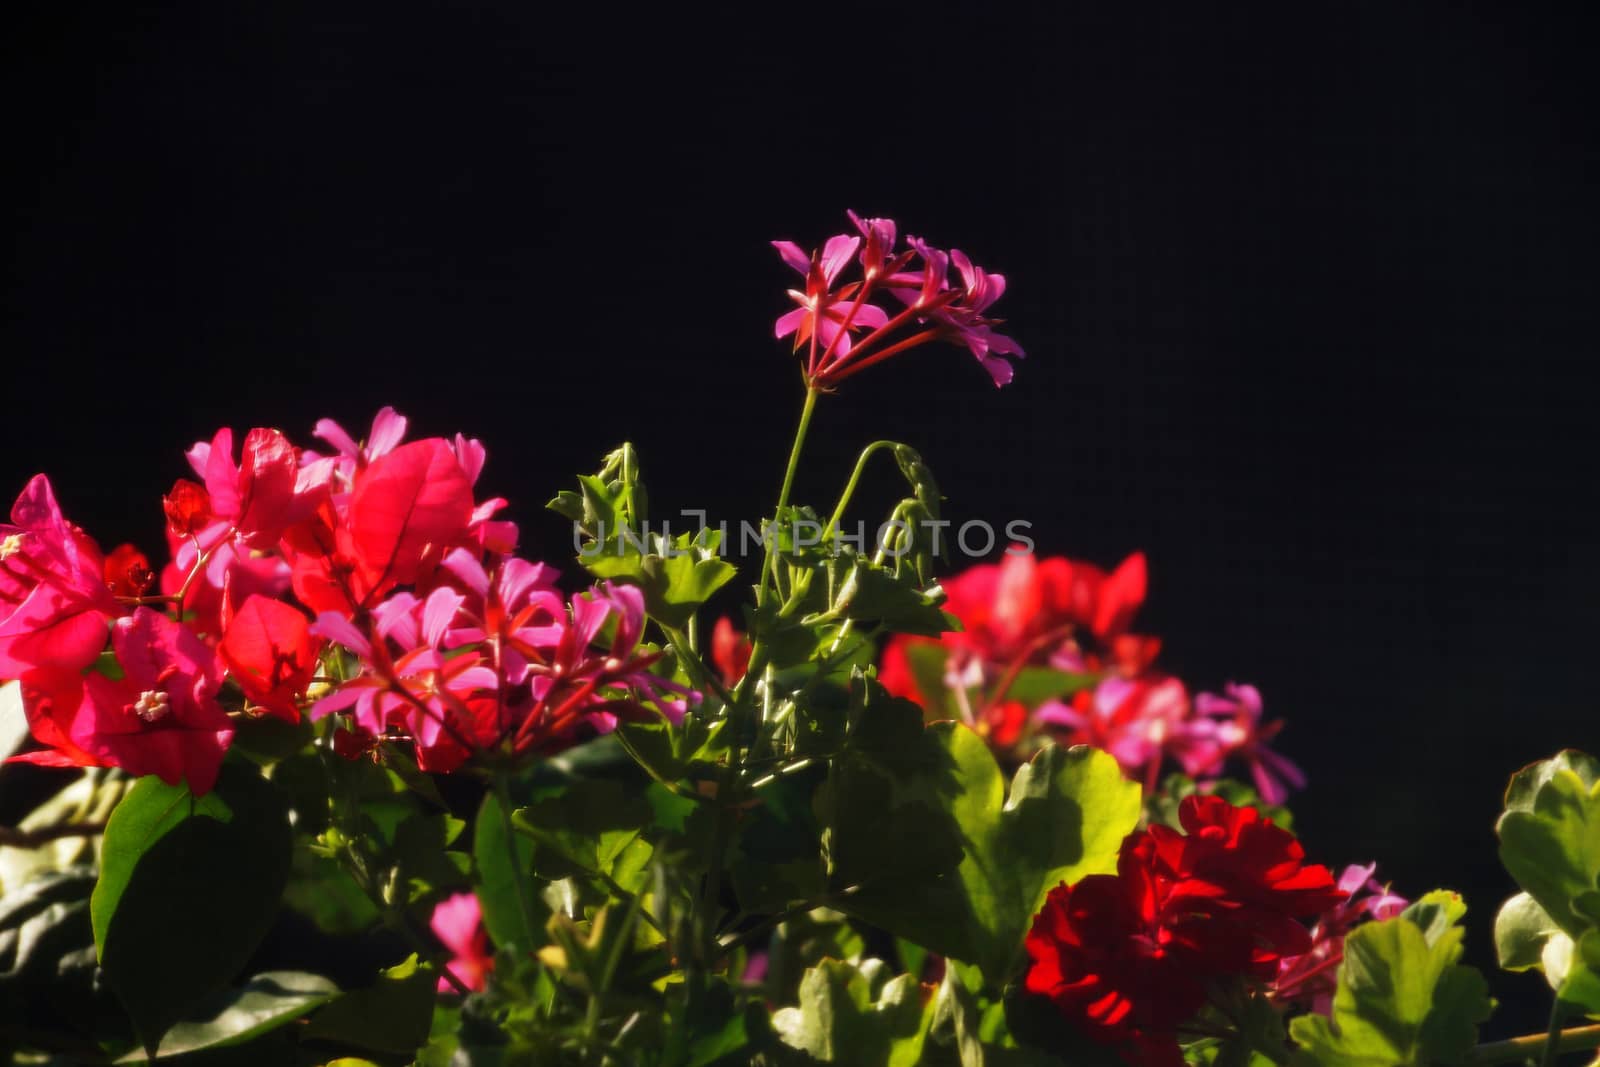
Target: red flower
(127,572)
(1127,959)
(269,650)
(730,651)
(188,507)
(1110,971)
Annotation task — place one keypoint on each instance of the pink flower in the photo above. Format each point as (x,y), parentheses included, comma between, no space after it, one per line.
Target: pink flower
(517,611)
(388,430)
(458,924)
(825,317)
(160,718)
(1139,721)
(407,680)
(254,501)
(1308,980)
(54,604)
(407,510)
(1234,724)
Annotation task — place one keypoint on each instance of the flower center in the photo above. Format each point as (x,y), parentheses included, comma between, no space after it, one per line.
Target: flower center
(10,546)
(152,705)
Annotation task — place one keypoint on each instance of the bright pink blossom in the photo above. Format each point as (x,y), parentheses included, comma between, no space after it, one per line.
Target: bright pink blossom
(54,604)
(407,509)
(256,499)
(161,717)
(458,924)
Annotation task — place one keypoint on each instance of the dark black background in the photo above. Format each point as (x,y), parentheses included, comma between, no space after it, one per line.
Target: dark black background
(1308,292)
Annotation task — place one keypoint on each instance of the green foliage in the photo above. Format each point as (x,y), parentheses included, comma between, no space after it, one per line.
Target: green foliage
(1403,1000)
(267,1001)
(391,1015)
(187,888)
(898,807)
(858,1016)
(677,574)
(1550,842)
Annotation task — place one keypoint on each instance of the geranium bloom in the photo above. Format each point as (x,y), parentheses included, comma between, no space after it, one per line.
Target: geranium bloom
(1127,958)
(1140,721)
(407,682)
(269,650)
(54,604)
(160,718)
(458,924)
(1309,979)
(1234,723)
(730,651)
(830,308)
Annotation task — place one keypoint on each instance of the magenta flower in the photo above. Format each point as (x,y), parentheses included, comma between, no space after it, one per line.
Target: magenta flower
(160,718)
(388,430)
(1140,722)
(1233,721)
(54,604)
(407,681)
(255,500)
(1308,980)
(825,317)
(831,309)
(458,924)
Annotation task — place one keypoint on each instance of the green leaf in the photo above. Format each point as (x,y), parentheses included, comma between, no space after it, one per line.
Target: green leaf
(391,1015)
(839,1019)
(188,887)
(1066,815)
(1550,836)
(1523,932)
(498,887)
(587,828)
(1402,997)
(265,1002)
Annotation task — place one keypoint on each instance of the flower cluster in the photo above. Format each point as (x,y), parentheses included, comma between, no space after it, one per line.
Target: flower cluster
(284,556)
(1045,650)
(831,311)
(1129,958)
(1308,980)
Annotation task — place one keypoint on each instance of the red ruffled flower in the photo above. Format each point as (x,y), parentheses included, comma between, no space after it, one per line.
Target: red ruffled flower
(1128,958)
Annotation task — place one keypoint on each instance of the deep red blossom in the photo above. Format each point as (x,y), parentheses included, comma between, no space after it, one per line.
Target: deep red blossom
(54,604)
(1127,959)
(267,647)
(127,572)
(187,507)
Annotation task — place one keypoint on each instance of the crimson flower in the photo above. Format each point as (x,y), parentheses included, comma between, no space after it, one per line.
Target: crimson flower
(1128,958)
(268,648)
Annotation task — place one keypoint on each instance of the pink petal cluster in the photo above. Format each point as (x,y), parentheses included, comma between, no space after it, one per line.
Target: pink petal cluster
(1309,979)
(831,312)
(454,644)
(458,924)
(1073,617)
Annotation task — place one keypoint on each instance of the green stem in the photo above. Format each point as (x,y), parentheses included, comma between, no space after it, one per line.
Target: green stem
(850,486)
(502,794)
(1547,1046)
(788,484)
